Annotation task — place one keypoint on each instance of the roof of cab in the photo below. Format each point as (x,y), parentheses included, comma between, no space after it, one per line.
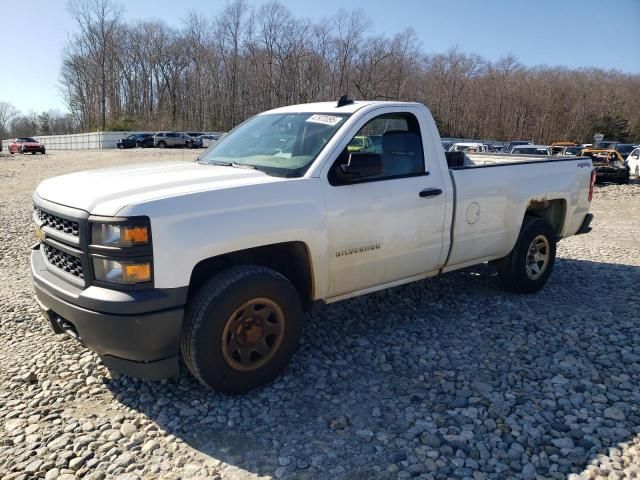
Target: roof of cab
(332,107)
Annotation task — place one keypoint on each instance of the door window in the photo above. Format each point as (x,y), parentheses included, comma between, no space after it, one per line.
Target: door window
(395,138)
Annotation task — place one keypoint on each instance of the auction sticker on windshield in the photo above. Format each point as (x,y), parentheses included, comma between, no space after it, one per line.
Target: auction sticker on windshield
(324,119)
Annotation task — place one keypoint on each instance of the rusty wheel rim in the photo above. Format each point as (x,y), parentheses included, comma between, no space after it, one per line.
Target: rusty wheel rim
(253,334)
(538,257)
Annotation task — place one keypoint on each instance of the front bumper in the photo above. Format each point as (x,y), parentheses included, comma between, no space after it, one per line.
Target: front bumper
(136,333)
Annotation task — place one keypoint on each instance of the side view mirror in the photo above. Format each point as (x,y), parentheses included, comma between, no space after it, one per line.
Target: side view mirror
(362,165)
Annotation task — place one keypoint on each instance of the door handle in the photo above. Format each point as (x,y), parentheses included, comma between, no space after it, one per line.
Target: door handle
(430,192)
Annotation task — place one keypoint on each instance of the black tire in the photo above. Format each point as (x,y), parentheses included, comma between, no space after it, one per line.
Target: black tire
(512,269)
(214,306)
(162,144)
(637,171)
(625,180)
(120,146)
(43,151)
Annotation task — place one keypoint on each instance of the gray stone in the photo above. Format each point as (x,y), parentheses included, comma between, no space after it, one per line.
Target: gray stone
(34,466)
(52,474)
(127,429)
(431,440)
(614,413)
(529,472)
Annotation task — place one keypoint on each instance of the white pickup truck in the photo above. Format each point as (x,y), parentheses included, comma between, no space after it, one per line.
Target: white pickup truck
(216,261)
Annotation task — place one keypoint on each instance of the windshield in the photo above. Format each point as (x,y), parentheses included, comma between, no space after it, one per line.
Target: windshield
(624,149)
(281,144)
(572,150)
(531,151)
(26,140)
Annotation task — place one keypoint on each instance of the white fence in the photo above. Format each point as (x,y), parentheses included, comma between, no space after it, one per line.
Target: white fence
(78,141)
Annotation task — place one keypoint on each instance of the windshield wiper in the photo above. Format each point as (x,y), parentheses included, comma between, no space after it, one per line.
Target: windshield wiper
(235,164)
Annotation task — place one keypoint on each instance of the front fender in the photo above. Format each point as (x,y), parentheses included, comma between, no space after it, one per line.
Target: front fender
(194,227)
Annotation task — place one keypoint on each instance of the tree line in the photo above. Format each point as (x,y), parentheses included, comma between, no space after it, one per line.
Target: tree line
(213,72)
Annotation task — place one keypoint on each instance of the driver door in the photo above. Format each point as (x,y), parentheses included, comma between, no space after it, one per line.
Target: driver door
(388,227)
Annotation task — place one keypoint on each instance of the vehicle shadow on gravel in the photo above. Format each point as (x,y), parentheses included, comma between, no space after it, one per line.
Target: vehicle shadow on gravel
(441,378)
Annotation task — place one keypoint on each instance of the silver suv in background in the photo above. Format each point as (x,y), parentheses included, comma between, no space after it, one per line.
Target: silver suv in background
(175,139)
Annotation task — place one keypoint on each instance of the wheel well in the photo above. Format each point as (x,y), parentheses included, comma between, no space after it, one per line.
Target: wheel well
(553,211)
(291,259)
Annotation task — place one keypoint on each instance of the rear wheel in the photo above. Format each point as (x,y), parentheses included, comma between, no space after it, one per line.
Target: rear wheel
(162,144)
(527,268)
(637,171)
(241,329)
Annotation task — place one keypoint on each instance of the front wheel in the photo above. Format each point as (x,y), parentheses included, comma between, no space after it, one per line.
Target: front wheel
(241,329)
(527,267)
(637,171)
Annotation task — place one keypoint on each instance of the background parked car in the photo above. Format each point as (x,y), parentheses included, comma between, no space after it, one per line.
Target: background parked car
(26,145)
(606,144)
(136,140)
(515,143)
(175,139)
(575,150)
(209,139)
(557,148)
(608,164)
(633,162)
(195,134)
(530,150)
(624,149)
(467,147)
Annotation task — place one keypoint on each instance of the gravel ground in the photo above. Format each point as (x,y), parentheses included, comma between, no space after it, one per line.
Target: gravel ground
(447,378)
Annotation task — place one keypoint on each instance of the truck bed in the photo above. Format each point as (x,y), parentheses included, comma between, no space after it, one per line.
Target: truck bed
(489,203)
(458,160)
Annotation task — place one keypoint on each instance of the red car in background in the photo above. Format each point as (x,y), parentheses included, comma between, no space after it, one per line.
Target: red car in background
(26,145)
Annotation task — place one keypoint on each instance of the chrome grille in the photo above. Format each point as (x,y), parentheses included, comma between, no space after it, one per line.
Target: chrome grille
(63,261)
(61,224)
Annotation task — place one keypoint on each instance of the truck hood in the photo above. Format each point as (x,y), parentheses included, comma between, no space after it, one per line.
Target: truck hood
(107,191)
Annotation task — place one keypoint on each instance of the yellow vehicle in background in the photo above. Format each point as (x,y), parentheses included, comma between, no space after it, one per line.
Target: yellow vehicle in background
(608,164)
(358,143)
(558,148)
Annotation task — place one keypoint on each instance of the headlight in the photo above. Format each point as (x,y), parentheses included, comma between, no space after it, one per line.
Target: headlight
(120,234)
(122,271)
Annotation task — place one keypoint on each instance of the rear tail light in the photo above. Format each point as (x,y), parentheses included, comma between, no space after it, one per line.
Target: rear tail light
(592,184)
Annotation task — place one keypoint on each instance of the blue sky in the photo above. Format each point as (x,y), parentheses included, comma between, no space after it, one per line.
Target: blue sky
(571,33)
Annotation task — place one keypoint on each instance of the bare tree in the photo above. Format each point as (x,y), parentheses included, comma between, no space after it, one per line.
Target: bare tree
(7,113)
(212,73)
(98,22)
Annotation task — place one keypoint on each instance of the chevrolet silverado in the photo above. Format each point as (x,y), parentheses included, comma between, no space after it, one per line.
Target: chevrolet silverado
(215,262)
